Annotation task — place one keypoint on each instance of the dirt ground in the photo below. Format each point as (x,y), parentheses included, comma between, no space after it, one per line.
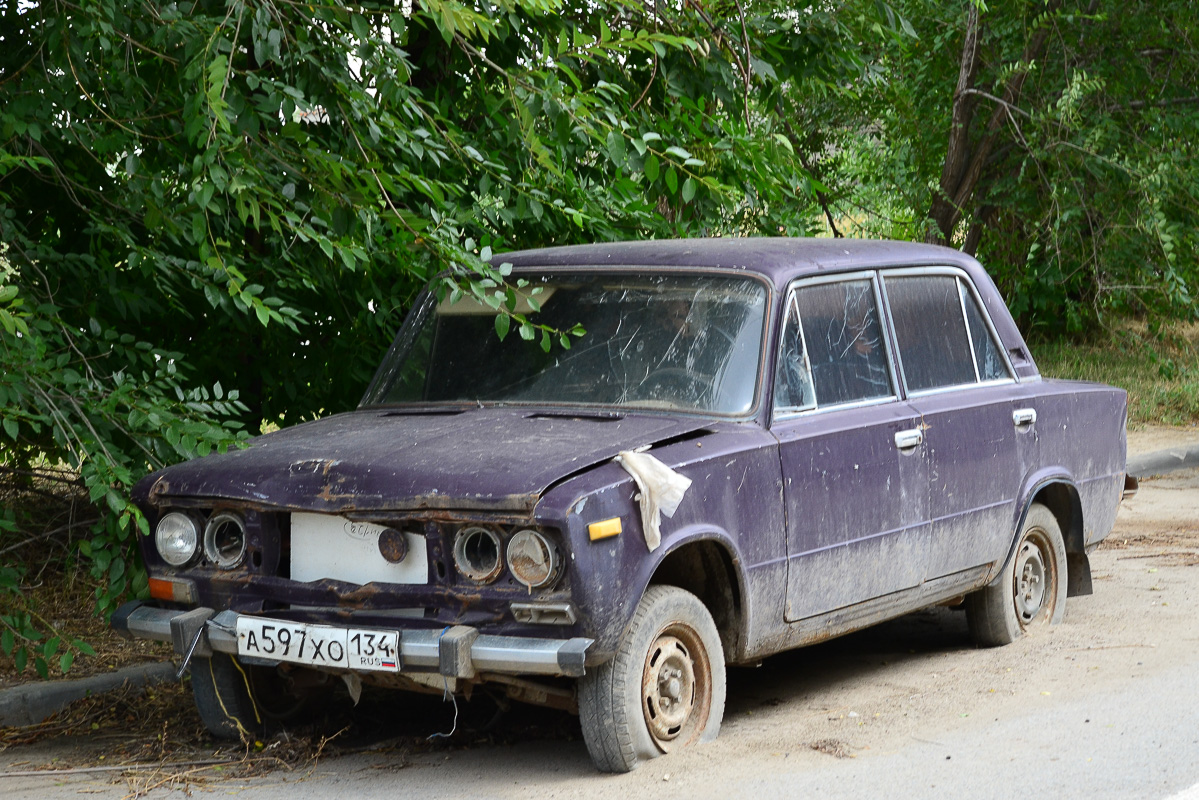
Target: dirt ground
(829,710)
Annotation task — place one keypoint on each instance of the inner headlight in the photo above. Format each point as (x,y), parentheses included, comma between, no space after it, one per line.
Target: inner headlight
(176,538)
(225,540)
(533,559)
(477,554)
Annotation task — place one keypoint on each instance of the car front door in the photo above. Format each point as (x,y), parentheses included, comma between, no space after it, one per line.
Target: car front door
(853,474)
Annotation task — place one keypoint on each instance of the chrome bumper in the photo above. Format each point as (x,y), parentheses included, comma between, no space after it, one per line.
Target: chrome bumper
(457,652)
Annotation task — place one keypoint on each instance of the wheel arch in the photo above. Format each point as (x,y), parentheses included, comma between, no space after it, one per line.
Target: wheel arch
(707,567)
(1059,494)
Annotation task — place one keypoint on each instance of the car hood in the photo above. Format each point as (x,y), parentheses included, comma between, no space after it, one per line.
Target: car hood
(387,460)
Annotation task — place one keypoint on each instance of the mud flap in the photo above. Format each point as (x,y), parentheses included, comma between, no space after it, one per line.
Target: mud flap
(1078,575)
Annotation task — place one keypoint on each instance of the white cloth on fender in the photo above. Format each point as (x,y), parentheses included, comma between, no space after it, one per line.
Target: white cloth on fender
(661,490)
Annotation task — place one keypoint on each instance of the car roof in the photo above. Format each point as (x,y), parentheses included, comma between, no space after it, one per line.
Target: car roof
(779,259)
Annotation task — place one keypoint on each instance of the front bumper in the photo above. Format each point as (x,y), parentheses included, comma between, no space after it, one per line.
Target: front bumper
(456,652)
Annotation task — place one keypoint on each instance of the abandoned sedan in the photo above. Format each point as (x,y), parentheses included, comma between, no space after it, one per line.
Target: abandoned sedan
(757,444)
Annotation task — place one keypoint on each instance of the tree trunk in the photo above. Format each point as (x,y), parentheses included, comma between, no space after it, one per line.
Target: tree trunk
(964,159)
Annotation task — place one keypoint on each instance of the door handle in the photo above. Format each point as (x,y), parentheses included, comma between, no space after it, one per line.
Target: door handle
(906,440)
(1024,417)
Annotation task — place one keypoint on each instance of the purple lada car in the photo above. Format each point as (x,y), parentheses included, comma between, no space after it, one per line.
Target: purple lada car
(756,445)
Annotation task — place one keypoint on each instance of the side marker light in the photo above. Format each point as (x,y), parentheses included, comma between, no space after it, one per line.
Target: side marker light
(604,529)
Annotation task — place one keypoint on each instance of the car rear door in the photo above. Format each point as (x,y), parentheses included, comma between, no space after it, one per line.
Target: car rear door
(958,380)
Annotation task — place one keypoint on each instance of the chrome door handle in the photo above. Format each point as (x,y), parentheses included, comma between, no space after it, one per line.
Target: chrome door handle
(906,440)
(1024,417)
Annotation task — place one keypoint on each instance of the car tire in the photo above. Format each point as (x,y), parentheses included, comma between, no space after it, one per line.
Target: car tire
(1031,591)
(664,689)
(237,701)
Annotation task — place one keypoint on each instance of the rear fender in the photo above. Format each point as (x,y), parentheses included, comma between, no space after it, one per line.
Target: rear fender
(1055,489)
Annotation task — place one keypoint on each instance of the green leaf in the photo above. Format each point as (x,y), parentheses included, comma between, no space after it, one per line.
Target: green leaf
(199,227)
(11,428)
(65,662)
(688,190)
(651,168)
(672,180)
(502,323)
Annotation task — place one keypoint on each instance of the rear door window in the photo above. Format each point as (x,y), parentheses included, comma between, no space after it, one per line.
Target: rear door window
(942,336)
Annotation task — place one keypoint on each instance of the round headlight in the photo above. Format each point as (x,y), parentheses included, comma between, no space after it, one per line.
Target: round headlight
(176,538)
(393,546)
(477,554)
(225,540)
(533,559)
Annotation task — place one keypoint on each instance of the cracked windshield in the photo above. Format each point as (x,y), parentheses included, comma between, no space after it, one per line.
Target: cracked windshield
(680,342)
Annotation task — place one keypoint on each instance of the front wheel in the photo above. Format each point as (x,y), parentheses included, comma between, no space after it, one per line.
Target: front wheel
(238,701)
(1031,592)
(663,690)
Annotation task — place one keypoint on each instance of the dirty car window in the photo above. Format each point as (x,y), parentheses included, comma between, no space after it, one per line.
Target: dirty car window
(942,338)
(687,342)
(836,352)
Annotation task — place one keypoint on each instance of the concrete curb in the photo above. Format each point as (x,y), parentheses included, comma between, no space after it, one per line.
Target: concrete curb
(33,702)
(1160,462)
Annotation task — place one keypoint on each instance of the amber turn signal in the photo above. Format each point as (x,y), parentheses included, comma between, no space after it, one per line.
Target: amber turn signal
(604,529)
(178,590)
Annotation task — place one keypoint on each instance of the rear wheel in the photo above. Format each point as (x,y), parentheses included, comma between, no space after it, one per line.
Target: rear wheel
(238,701)
(1031,592)
(663,690)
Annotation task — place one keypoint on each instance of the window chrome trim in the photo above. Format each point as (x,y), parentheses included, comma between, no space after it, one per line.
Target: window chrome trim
(960,387)
(966,322)
(784,415)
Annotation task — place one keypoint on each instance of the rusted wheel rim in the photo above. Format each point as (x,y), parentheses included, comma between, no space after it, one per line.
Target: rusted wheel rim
(1034,580)
(676,687)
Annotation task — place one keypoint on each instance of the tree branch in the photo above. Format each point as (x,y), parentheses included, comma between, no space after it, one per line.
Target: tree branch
(999,100)
(1137,105)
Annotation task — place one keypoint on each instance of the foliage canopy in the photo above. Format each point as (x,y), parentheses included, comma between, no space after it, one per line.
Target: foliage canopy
(215,215)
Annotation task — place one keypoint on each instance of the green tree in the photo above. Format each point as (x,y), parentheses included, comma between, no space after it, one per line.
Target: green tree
(1052,138)
(217,213)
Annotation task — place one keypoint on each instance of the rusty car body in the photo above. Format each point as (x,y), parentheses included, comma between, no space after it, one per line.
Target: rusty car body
(757,444)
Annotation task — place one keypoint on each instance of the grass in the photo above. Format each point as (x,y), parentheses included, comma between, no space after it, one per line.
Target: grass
(1159,369)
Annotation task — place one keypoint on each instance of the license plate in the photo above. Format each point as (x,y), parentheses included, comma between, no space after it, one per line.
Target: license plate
(318,645)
